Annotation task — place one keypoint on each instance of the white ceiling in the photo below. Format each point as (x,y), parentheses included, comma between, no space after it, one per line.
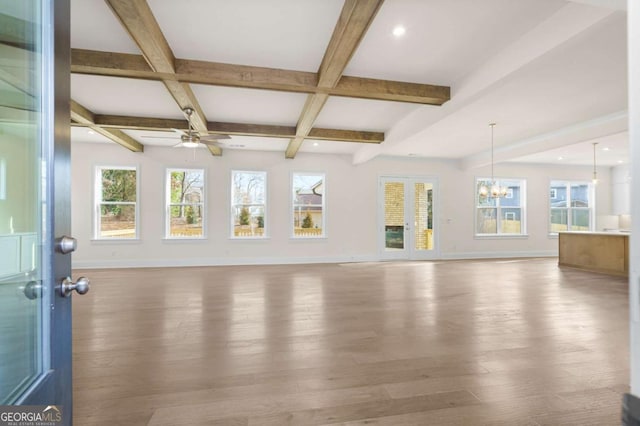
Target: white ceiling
(545,70)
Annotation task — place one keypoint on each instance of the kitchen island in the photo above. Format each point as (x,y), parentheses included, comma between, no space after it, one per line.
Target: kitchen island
(605,252)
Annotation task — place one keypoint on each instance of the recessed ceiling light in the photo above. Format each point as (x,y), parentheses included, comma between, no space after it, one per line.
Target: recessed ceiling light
(399,31)
(620,161)
(560,158)
(606,148)
(315,144)
(91,132)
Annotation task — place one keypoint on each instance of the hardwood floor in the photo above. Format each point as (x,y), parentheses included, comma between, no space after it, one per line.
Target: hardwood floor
(513,342)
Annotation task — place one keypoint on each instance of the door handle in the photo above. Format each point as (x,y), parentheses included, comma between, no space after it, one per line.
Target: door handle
(67,286)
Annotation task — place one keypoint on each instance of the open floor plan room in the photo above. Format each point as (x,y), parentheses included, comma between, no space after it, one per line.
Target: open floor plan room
(473,342)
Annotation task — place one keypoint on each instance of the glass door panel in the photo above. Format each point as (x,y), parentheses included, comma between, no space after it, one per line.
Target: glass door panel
(423,219)
(394,216)
(23,323)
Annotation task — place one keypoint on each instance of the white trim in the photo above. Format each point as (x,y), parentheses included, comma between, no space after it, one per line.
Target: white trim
(172,262)
(499,254)
(409,253)
(115,241)
(567,183)
(220,261)
(97,192)
(324,235)
(167,203)
(524,194)
(231,205)
(501,236)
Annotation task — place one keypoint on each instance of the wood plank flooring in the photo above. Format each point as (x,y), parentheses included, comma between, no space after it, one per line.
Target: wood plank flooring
(513,342)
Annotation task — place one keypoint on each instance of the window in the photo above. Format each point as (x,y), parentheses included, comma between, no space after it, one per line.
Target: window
(185,203)
(116,195)
(501,216)
(308,205)
(572,207)
(248,204)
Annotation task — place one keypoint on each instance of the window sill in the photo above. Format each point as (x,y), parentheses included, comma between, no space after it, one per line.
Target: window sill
(501,236)
(249,238)
(116,241)
(319,238)
(184,240)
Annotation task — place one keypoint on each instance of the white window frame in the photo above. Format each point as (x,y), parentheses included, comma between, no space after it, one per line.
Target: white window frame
(169,204)
(264,207)
(498,207)
(98,203)
(323,206)
(592,205)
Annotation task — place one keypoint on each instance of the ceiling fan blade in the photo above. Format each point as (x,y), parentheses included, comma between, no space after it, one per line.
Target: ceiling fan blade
(214,137)
(210,143)
(172,136)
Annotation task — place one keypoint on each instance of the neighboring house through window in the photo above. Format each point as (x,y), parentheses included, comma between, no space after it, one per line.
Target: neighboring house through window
(185,194)
(501,216)
(571,206)
(248,204)
(308,204)
(116,209)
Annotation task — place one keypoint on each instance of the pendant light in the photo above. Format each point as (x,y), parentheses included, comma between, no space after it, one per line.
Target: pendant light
(495,190)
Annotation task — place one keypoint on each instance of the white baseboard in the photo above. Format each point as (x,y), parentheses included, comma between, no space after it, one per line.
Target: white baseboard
(499,254)
(169,263)
(159,263)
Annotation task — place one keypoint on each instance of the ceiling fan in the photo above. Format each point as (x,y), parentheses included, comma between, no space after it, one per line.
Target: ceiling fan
(191,138)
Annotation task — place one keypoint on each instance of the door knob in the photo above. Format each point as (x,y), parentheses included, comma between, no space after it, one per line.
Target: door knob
(66,245)
(33,290)
(67,286)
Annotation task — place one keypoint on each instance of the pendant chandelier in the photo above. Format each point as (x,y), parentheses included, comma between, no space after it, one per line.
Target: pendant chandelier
(495,190)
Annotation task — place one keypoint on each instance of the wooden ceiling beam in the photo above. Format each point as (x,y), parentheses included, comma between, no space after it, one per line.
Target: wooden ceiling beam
(387,90)
(138,20)
(354,20)
(83,116)
(238,129)
(243,76)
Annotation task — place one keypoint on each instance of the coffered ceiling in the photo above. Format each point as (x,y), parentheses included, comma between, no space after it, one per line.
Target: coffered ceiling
(330,77)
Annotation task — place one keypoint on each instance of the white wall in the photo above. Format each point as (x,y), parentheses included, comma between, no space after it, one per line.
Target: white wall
(633,48)
(351,196)
(621,190)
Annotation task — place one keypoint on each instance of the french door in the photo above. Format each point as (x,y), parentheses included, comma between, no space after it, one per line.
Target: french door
(408,218)
(35,314)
